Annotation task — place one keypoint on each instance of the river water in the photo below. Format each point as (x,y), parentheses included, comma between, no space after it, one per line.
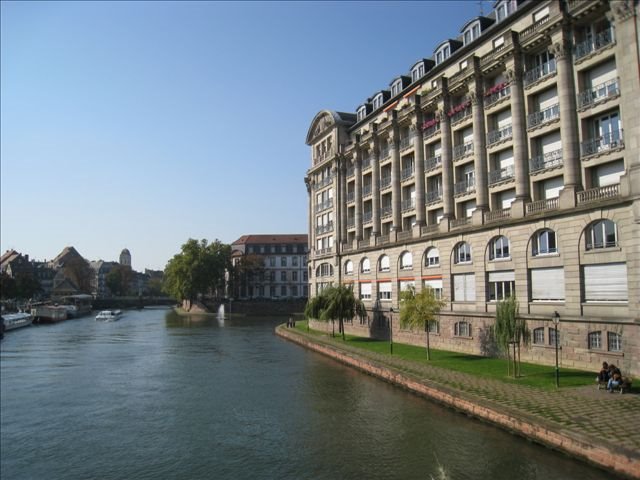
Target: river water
(158,396)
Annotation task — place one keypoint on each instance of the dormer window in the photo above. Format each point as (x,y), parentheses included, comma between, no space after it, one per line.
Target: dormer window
(417,73)
(377,101)
(472,32)
(504,8)
(443,53)
(396,87)
(361,113)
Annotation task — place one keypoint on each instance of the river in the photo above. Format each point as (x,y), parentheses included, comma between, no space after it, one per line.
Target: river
(159,396)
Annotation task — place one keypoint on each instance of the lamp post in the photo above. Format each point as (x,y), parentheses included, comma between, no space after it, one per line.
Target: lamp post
(391,330)
(556,320)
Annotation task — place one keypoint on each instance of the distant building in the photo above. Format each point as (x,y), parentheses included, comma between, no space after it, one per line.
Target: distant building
(101,269)
(278,266)
(125,258)
(73,273)
(14,263)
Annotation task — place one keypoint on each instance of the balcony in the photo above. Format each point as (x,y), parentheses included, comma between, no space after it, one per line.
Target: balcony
(597,194)
(431,129)
(324,205)
(542,205)
(460,222)
(594,44)
(351,222)
(324,251)
(497,176)
(324,182)
(385,152)
(604,143)
(497,215)
(464,186)
(598,93)
(351,197)
(406,142)
(407,173)
(546,161)
(433,162)
(543,116)
(460,111)
(351,172)
(460,151)
(320,229)
(432,197)
(366,162)
(385,182)
(386,211)
(408,204)
(321,157)
(496,93)
(367,217)
(366,190)
(499,135)
(541,71)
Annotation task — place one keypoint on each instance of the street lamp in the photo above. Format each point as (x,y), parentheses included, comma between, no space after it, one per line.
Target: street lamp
(556,320)
(391,330)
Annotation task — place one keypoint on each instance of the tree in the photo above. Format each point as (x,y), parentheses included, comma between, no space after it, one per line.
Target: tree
(420,310)
(247,267)
(335,303)
(27,285)
(199,269)
(119,280)
(510,332)
(7,286)
(78,270)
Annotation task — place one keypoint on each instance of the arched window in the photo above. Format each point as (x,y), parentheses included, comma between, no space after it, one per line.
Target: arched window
(362,112)
(365,265)
(499,248)
(348,267)
(384,263)
(462,253)
(544,242)
(406,261)
(601,234)
(324,270)
(432,258)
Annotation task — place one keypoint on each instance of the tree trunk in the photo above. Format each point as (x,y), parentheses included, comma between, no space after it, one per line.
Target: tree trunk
(428,350)
(342,329)
(514,360)
(333,328)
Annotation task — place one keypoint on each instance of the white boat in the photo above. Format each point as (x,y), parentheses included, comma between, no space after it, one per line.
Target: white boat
(16,320)
(109,315)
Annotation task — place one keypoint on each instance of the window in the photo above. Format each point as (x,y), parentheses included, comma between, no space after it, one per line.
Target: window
(433,326)
(384,263)
(377,101)
(283,291)
(407,284)
(614,341)
(272,276)
(499,248)
(552,336)
(464,287)
(283,276)
(594,340)
(462,253)
(348,267)
(471,33)
(613,290)
(547,284)
(443,53)
(406,261)
(435,284)
(601,234)
(294,290)
(283,261)
(272,261)
(294,261)
(417,72)
(433,258)
(362,113)
(294,276)
(538,336)
(272,291)
(305,276)
(540,14)
(384,291)
(544,243)
(324,270)
(365,266)
(462,329)
(365,291)
(500,285)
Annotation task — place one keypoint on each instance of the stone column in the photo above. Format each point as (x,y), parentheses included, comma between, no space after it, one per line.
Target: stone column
(479,146)
(396,200)
(340,206)
(519,133)
(418,148)
(561,49)
(375,186)
(358,194)
(447,160)
(336,185)
(308,180)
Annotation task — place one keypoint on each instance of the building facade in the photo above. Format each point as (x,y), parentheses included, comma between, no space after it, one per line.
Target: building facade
(270,266)
(508,163)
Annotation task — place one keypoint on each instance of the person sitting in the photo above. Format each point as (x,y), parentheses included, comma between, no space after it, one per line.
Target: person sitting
(603,375)
(615,378)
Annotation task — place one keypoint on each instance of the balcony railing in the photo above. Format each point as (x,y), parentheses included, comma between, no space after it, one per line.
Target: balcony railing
(462,114)
(462,150)
(432,130)
(494,97)
(459,222)
(386,211)
(599,92)
(433,162)
(321,157)
(351,222)
(539,72)
(406,235)
(366,162)
(381,240)
(497,215)
(600,193)
(427,229)
(366,190)
(435,196)
(408,204)
(351,196)
(320,229)
(351,172)
(367,217)
(406,142)
(324,205)
(542,205)
(499,135)
(464,186)
(324,182)
(502,174)
(364,243)
(601,40)
(543,116)
(324,251)
(603,143)
(385,152)
(385,181)
(547,160)
(407,172)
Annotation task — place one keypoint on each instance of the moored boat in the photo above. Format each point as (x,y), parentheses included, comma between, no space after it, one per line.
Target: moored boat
(12,321)
(77,305)
(109,315)
(48,313)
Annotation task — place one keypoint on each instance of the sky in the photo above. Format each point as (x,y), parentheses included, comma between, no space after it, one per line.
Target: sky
(140,125)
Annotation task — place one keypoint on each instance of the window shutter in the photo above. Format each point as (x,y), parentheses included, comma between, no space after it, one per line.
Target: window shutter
(365,289)
(435,284)
(547,284)
(464,287)
(384,287)
(504,276)
(606,282)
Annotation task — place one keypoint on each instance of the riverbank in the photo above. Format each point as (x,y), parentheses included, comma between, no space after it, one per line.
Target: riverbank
(592,426)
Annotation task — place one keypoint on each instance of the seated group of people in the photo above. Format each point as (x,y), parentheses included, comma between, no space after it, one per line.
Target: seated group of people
(610,376)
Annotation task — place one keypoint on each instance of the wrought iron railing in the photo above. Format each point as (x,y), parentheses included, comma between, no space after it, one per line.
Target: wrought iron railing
(464,186)
(602,143)
(494,97)
(435,196)
(385,181)
(386,211)
(406,142)
(408,204)
(351,196)
(367,217)
(407,172)
(432,130)
(539,72)
(502,174)
(351,172)
(601,40)
(433,162)
(324,205)
(496,136)
(599,92)
(366,162)
(462,114)
(547,160)
(366,190)
(543,116)
(320,229)
(323,182)
(385,152)
(462,150)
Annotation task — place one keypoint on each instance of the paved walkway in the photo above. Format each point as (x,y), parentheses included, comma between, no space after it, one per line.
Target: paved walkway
(596,418)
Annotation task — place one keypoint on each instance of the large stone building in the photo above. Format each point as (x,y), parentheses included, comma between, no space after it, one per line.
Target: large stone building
(507,163)
(275,266)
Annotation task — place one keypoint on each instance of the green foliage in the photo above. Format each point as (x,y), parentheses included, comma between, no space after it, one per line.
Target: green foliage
(335,303)
(199,269)
(247,267)
(510,331)
(418,310)
(23,286)
(119,280)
